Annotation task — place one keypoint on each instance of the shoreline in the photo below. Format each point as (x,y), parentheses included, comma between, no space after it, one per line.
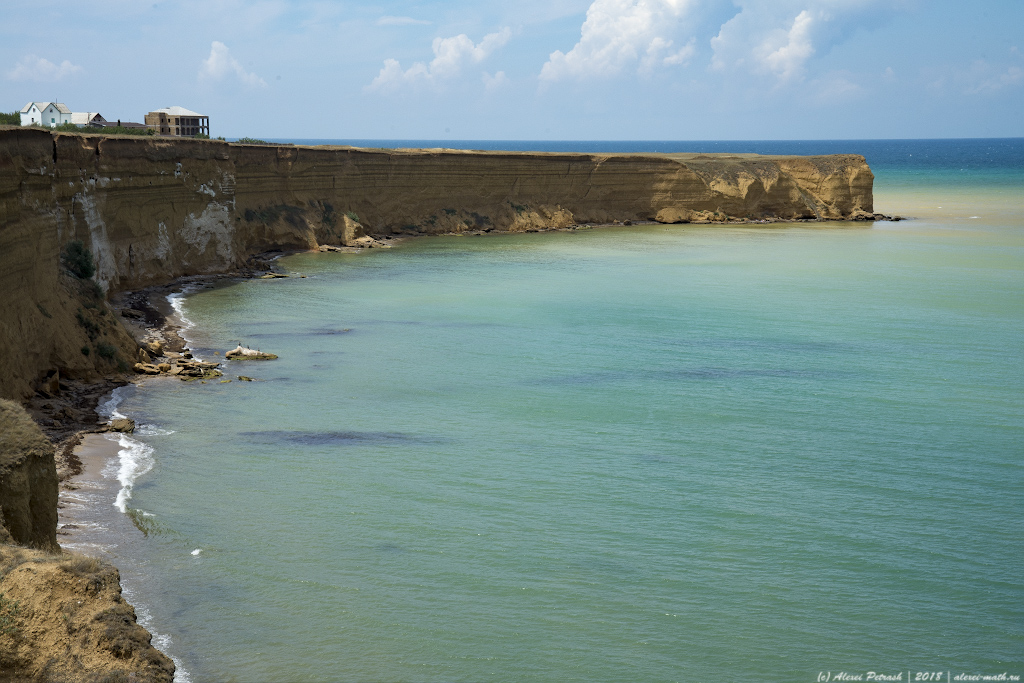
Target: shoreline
(90,452)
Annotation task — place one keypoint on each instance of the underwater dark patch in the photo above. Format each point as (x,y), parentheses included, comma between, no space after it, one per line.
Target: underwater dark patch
(334,438)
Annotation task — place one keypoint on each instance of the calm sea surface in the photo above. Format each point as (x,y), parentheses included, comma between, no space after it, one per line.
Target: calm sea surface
(657,453)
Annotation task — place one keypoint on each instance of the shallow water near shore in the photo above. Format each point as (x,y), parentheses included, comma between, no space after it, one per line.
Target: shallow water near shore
(651,453)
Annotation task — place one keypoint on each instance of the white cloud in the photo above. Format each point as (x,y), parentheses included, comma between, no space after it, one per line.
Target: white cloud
(400,21)
(620,33)
(836,86)
(1013,76)
(492,83)
(780,37)
(33,68)
(221,64)
(450,55)
(787,60)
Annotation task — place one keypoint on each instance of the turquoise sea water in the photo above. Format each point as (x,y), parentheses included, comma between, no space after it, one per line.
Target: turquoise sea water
(656,453)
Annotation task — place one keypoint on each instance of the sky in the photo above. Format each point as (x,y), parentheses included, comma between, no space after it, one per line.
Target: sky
(530,69)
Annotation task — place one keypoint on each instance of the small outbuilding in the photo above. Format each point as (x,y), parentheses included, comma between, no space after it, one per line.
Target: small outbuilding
(89,118)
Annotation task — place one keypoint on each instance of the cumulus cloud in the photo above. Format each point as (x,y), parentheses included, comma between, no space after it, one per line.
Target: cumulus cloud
(780,37)
(400,21)
(494,82)
(618,34)
(33,68)
(220,64)
(450,56)
(785,58)
(1013,76)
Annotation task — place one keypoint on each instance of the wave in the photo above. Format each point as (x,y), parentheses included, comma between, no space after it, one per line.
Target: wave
(109,408)
(160,641)
(134,460)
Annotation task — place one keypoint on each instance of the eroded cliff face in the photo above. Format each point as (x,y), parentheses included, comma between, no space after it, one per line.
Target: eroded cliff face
(152,210)
(28,481)
(62,618)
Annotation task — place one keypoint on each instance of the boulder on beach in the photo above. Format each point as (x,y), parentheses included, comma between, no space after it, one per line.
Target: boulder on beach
(123,425)
(242,353)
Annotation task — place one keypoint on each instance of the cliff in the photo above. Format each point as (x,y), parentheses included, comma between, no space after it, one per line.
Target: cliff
(28,481)
(152,209)
(62,618)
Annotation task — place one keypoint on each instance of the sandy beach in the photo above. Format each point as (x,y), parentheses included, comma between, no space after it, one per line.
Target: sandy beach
(83,521)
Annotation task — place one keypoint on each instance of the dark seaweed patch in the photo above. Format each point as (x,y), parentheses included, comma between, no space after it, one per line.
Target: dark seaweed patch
(688,374)
(338,438)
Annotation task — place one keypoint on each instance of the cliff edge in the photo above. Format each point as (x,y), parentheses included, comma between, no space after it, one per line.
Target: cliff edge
(151,210)
(62,617)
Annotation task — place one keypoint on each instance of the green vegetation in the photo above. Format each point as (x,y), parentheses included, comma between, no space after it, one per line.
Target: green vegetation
(291,214)
(106,130)
(82,565)
(8,615)
(327,215)
(119,130)
(251,141)
(91,328)
(12,119)
(78,260)
(201,136)
(352,215)
(106,350)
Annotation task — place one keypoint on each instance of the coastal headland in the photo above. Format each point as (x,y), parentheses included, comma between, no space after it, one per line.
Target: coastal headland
(152,211)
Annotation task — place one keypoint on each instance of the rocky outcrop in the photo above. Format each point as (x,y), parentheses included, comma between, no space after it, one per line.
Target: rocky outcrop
(151,210)
(28,481)
(62,618)
(240,353)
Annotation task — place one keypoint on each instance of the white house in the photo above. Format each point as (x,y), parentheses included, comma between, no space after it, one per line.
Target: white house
(50,114)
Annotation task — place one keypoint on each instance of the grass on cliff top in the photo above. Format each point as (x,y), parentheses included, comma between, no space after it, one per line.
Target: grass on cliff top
(20,437)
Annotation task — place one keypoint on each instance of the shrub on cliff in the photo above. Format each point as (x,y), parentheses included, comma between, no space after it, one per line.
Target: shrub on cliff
(12,119)
(78,260)
(251,141)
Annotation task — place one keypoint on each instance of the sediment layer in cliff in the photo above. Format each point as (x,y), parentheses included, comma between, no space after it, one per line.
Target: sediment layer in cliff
(152,210)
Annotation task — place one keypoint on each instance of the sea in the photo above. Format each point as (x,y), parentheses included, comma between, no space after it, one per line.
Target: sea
(782,453)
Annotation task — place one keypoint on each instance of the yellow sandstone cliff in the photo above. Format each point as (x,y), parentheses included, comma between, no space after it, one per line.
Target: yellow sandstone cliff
(152,209)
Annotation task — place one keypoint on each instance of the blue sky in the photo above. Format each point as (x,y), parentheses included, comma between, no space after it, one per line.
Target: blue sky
(531,69)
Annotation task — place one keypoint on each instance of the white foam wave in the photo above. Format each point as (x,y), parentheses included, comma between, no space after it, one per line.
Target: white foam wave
(175,300)
(160,641)
(151,430)
(108,408)
(134,460)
